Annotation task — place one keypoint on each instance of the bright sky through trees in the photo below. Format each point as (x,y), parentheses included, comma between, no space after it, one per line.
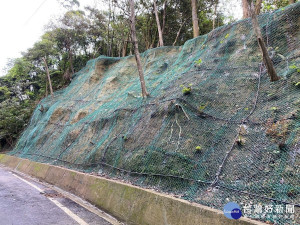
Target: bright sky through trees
(22,23)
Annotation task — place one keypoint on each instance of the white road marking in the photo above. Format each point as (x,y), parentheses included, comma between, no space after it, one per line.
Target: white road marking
(27,182)
(69,212)
(58,204)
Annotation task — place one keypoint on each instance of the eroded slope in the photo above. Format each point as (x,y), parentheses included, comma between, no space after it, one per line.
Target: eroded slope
(235,137)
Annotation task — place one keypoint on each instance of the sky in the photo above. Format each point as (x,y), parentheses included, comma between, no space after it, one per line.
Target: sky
(22,23)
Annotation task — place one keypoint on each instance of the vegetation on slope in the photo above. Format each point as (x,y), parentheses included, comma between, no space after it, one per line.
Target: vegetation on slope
(78,36)
(215,129)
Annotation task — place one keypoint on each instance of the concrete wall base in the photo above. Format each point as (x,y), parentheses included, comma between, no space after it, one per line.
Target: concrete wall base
(130,204)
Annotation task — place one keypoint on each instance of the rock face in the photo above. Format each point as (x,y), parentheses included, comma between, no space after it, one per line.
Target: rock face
(235,130)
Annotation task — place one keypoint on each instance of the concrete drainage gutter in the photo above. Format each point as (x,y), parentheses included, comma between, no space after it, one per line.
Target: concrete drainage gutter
(130,204)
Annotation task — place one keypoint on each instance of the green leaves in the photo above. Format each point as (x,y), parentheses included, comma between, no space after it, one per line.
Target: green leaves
(240,140)
(4,91)
(198,148)
(198,62)
(271,5)
(202,107)
(296,67)
(186,90)
(226,36)
(19,71)
(274,109)
(14,117)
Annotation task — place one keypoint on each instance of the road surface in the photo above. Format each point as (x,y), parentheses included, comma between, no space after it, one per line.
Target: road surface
(24,201)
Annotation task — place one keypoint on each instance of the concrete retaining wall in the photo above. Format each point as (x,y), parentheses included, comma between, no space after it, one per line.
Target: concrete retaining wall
(130,204)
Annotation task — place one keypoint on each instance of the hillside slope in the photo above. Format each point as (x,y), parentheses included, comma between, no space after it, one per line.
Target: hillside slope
(235,137)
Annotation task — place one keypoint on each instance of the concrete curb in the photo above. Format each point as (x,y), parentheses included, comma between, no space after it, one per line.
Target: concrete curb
(130,204)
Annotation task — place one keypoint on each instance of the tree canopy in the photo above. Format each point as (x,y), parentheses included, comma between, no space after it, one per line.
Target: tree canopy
(79,35)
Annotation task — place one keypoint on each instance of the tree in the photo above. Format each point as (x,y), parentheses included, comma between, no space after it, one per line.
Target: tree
(161,42)
(136,49)
(70,34)
(195,18)
(79,35)
(215,13)
(15,106)
(69,4)
(245,5)
(44,52)
(258,6)
(109,41)
(271,5)
(178,33)
(48,76)
(13,118)
(267,60)
(125,45)
(164,16)
(96,31)
(246,9)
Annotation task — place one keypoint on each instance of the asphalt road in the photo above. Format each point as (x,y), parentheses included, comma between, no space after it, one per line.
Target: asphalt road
(26,202)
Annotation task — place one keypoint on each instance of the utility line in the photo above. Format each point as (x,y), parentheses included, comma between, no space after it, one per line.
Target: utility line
(38,8)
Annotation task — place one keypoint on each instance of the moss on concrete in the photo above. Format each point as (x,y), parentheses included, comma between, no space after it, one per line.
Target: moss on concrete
(128,203)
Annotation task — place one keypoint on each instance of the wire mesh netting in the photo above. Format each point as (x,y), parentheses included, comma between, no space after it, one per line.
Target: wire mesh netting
(214,130)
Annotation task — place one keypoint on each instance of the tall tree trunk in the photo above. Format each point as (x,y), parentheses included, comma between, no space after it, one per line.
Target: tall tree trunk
(266,58)
(246,13)
(47,87)
(215,14)
(195,18)
(113,33)
(136,49)
(258,6)
(147,37)
(164,17)
(125,46)
(48,75)
(154,39)
(161,41)
(95,52)
(111,44)
(108,28)
(178,33)
(71,61)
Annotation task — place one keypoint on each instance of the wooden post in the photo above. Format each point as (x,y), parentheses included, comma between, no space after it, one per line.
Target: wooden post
(266,58)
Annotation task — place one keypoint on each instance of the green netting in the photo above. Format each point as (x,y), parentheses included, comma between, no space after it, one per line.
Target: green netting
(242,145)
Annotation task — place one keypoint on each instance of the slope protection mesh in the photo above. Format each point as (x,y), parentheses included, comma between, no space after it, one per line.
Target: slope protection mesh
(235,137)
